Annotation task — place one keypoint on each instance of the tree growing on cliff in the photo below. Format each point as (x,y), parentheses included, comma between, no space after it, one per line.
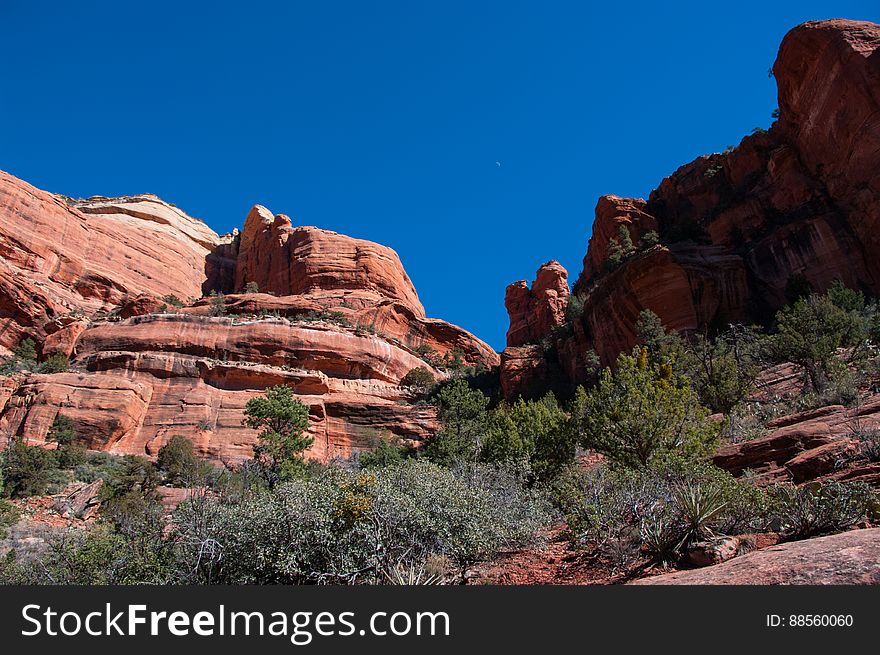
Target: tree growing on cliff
(621,247)
(639,411)
(178,461)
(24,358)
(282,421)
(218,304)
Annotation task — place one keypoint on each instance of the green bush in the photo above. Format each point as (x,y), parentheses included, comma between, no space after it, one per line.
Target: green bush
(812,330)
(172,300)
(57,363)
(9,515)
(649,239)
(252,287)
(419,378)
(23,358)
(218,304)
(386,451)
(344,527)
(282,421)
(27,470)
(623,514)
(723,370)
(641,411)
(464,418)
(178,462)
(535,431)
(819,508)
(129,473)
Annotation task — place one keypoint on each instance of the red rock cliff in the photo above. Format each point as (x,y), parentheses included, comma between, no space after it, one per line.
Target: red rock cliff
(342,325)
(801,199)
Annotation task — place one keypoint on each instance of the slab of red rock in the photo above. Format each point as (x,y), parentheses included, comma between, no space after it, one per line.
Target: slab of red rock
(810,445)
(842,559)
(337,319)
(80,502)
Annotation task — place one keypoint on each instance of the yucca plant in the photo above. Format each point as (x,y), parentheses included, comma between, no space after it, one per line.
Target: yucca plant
(700,507)
(411,575)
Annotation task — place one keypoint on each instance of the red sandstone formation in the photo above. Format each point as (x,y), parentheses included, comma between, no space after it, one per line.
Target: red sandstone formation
(801,199)
(61,257)
(535,312)
(287,260)
(341,324)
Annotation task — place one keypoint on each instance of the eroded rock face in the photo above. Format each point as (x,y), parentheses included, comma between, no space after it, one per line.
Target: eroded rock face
(62,257)
(288,260)
(341,325)
(847,558)
(535,311)
(799,200)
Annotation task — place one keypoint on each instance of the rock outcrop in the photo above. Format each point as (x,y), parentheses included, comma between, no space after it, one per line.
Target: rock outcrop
(798,202)
(288,261)
(842,559)
(337,319)
(61,257)
(535,311)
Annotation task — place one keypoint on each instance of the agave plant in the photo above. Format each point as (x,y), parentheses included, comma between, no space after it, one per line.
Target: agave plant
(700,507)
(411,575)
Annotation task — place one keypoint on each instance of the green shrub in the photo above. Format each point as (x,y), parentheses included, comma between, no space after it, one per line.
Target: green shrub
(819,508)
(419,378)
(641,411)
(621,247)
(574,310)
(464,418)
(129,473)
(649,239)
(23,358)
(659,510)
(535,431)
(344,527)
(282,421)
(9,515)
(386,451)
(723,370)
(57,363)
(27,470)
(217,305)
(810,332)
(177,460)
(252,287)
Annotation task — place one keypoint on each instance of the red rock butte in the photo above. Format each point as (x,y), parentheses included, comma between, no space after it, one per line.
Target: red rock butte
(336,318)
(797,203)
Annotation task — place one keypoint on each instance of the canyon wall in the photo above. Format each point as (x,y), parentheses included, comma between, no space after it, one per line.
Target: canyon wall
(121,286)
(796,204)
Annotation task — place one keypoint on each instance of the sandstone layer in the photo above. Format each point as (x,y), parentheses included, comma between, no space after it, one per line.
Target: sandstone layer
(120,286)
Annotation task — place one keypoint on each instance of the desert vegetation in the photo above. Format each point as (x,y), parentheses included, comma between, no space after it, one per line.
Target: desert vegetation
(495,476)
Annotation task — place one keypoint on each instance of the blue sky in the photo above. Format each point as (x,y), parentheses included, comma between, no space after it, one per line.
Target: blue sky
(385,120)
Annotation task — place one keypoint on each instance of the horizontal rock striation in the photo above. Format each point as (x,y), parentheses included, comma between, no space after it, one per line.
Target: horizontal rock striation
(336,318)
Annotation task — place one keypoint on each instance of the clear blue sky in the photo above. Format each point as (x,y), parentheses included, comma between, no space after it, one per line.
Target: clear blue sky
(384,120)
